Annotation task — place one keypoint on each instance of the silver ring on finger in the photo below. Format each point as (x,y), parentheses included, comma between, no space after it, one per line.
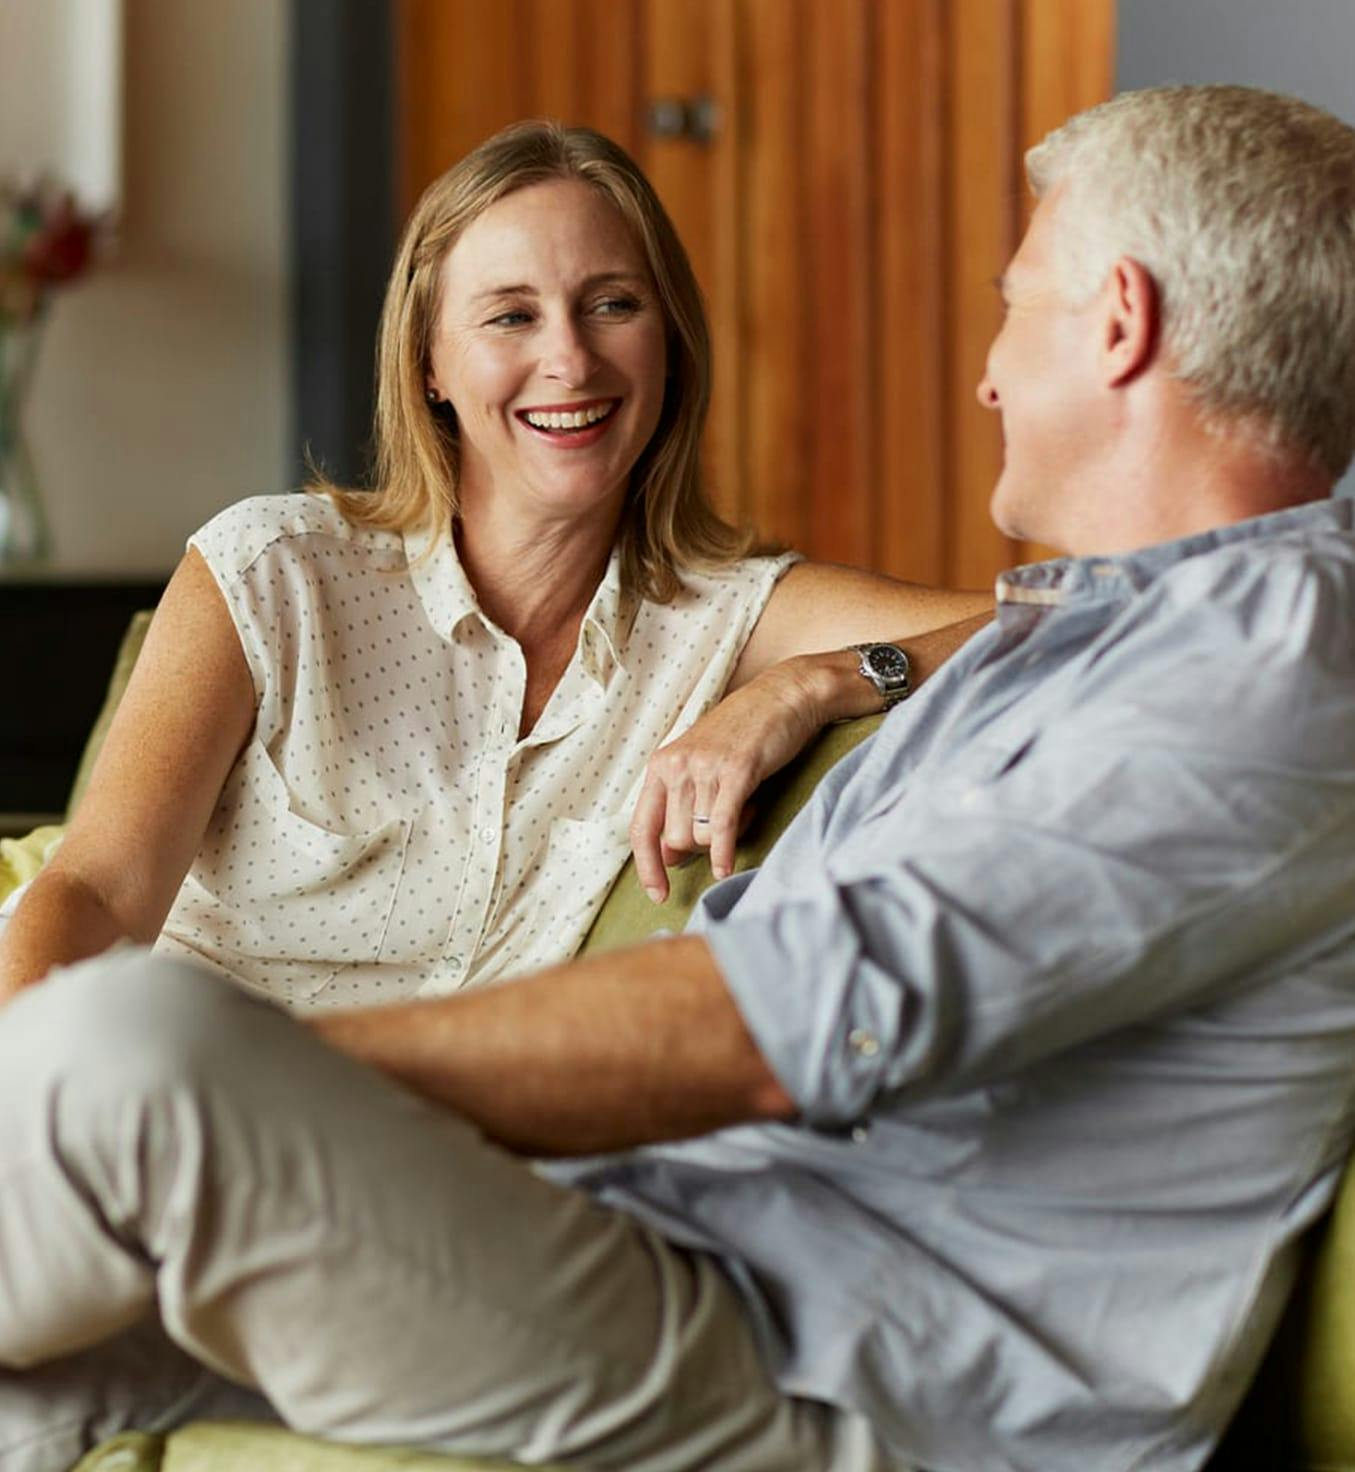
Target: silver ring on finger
(701,818)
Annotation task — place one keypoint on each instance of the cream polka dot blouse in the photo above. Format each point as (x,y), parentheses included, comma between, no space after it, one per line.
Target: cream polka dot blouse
(385,834)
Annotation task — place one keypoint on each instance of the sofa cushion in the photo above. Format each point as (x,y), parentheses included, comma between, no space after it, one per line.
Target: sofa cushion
(236,1446)
(1299,1416)
(21,858)
(128,651)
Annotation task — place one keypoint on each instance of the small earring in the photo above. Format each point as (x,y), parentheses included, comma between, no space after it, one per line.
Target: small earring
(431,394)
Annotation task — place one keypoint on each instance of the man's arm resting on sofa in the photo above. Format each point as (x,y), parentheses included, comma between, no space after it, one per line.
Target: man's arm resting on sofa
(602,1053)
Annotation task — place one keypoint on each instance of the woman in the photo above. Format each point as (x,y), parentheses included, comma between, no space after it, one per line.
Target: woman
(388,744)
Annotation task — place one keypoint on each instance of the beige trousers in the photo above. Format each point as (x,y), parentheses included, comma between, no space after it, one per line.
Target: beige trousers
(206,1212)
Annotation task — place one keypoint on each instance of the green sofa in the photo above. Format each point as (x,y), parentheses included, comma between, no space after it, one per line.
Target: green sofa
(1298,1417)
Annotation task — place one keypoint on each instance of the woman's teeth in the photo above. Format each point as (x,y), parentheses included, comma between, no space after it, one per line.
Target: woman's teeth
(578,419)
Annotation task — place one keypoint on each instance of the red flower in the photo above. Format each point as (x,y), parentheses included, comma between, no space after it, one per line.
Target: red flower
(60,248)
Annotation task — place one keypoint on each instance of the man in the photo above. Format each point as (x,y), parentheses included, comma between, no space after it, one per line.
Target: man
(998,1099)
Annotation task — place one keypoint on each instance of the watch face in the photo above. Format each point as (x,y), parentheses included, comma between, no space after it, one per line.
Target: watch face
(887,662)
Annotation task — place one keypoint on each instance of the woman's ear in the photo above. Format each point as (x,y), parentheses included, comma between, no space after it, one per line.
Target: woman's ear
(1132,324)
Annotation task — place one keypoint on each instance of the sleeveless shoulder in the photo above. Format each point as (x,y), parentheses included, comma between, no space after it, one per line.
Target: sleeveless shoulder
(752,577)
(234,539)
(269,557)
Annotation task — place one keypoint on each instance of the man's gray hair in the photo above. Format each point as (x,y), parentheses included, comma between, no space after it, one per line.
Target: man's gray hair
(1241,205)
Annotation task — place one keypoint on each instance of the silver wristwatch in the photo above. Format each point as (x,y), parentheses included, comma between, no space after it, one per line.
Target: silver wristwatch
(886,667)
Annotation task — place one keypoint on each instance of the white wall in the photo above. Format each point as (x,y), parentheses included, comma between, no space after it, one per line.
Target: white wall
(163,390)
(1303,47)
(61,94)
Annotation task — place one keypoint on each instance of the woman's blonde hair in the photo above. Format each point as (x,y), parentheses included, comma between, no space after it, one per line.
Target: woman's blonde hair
(667,525)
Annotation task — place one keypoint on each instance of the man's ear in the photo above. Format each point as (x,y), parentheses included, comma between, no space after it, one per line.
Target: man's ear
(1132,322)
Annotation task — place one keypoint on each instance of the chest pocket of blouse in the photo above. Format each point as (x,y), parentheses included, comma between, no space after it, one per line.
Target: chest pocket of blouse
(294,889)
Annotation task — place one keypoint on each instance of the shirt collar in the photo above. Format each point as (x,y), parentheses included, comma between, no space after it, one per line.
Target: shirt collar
(1096,579)
(448,599)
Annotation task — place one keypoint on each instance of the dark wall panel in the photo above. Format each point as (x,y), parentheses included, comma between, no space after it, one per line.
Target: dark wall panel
(343,221)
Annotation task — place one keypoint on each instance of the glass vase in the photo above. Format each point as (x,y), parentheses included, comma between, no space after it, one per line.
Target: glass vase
(24,533)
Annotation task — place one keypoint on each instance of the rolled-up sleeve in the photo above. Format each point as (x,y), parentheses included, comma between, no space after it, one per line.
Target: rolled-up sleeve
(1173,817)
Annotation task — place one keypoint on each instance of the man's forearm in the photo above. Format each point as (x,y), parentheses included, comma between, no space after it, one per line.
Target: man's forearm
(610,1051)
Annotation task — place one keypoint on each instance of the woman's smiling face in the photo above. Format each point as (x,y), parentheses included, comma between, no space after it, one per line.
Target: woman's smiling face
(549,343)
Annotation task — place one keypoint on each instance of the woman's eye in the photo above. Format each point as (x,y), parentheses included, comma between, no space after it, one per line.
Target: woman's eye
(617,306)
(510,319)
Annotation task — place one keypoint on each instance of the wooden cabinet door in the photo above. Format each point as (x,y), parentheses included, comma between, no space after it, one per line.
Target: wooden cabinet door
(859,190)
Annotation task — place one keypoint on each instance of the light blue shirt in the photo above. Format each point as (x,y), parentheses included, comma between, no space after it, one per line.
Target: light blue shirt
(1058,969)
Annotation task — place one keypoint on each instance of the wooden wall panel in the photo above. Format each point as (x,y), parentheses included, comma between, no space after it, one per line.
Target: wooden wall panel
(910,345)
(982,229)
(609,75)
(776,277)
(461,79)
(554,41)
(847,221)
(1065,57)
(725,438)
(678,62)
(836,376)
(688,54)
(1066,60)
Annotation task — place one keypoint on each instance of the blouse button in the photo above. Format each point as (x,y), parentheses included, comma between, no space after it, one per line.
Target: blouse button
(488,834)
(863,1042)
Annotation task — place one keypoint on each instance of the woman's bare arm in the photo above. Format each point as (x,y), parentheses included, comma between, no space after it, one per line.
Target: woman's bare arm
(794,676)
(187,713)
(819,607)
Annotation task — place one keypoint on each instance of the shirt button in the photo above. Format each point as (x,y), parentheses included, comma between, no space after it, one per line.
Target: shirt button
(863,1042)
(488,834)
(860,1134)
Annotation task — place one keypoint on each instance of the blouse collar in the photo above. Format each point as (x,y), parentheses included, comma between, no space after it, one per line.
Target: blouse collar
(448,599)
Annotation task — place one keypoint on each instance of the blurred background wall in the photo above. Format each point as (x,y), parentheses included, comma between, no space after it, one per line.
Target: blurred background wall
(163,389)
(270,145)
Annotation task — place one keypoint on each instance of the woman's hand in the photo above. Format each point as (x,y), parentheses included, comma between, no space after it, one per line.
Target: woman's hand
(696,788)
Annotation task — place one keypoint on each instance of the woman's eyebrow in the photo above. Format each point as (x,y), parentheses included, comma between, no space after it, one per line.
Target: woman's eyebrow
(495,291)
(602,278)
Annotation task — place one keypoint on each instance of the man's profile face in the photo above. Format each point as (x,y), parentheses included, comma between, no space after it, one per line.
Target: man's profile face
(1041,377)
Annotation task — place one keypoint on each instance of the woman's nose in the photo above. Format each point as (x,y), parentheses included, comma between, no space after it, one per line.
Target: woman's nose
(566,354)
(987,394)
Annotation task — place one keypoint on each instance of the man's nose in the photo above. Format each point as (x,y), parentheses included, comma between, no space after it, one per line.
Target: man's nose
(566,353)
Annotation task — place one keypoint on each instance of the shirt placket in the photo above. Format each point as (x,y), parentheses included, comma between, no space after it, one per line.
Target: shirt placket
(484,839)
